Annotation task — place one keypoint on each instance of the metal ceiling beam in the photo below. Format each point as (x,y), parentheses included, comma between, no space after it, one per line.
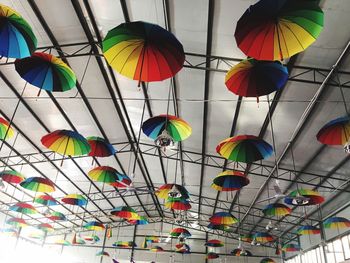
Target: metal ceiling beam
(210,22)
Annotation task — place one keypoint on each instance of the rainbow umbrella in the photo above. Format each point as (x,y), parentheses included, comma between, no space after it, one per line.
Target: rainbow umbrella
(95,226)
(9,232)
(125,212)
(183,249)
(5,127)
(124,244)
(291,247)
(107,174)
(151,240)
(66,142)
(253,78)
(92,238)
(220,227)
(16,222)
(75,199)
(79,241)
(141,221)
(36,235)
(11,176)
(229,181)
(143,51)
(223,218)
(244,148)
(335,132)
(102,254)
(241,252)
(46,227)
(124,181)
(267,260)
(180,232)
(46,72)
(56,216)
(38,184)
(177,204)
(63,242)
(336,223)
(312,197)
(278,29)
(262,237)
(212,255)
(156,249)
(24,208)
(308,230)
(100,147)
(45,200)
(17,39)
(173,126)
(172,190)
(214,243)
(276,210)
(247,238)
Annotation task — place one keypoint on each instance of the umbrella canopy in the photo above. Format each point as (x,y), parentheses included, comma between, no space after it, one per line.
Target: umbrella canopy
(156,249)
(125,212)
(253,78)
(11,176)
(336,223)
(66,142)
(105,174)
(16,222)
(100,147)
(38,184)
(223,218)
(141,221)
(102,254)
(45,200)
(241,252)
(124,181)
(229,181)
(335,132)
(177,204)
(24,208)
(276,210)
(143,51)
(267,260)
(212,255)
(312,197)
(172,190)
(247,238)
(278,29)
(6,131)
(291,247)
(177,128)
(46,227)
(214,243)
(220,227)
(308,230)
(36,235)
(56,216)
(124,244)
(95,226)
(46,72)
(63,242)
(9,232)
(262,237)
(180,232)
(17,39)
(92,238)
(75,199)
(183,248)
(150,240)
(244,148)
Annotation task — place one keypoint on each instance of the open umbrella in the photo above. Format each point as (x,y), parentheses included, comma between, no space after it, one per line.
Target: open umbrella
(214,243)
(125,212)
(212,255)
(336,132)
(336,222)
(308,230)
(241,252)
(109,175)
(9,232)
(24,208)
(46,227)
(180,232)
(75,199)
(244,148)
(143,51)
(253,78)
(11,176)
(63,242)
(229,181)
(263,237)
(247,238)
(166,129)
(94,225)
(124,244)
(310,197)
(141,221)
(156,249)
(276,209)
(278,29)
(177,203)
(100,147)
(38,184)
(16,222)
(17,39)
(6,131)
(102,254)
(150,240)
(223,218)
(291,247)
(45,200)
(172,190)
(66,142)
(56,216)
(267,260)
(46,72)
(225,228)
(92,238)
(183,249)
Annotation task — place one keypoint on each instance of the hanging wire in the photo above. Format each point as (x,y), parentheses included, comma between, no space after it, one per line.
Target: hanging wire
(84,73)
(342,94)
(272,135)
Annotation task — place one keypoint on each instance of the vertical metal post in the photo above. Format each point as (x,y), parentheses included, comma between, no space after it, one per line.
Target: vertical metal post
(206,247)
(104,243)
(133,247)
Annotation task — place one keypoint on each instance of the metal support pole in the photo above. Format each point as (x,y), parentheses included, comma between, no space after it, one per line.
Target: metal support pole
(104,243)
(133,242)
(206,247)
